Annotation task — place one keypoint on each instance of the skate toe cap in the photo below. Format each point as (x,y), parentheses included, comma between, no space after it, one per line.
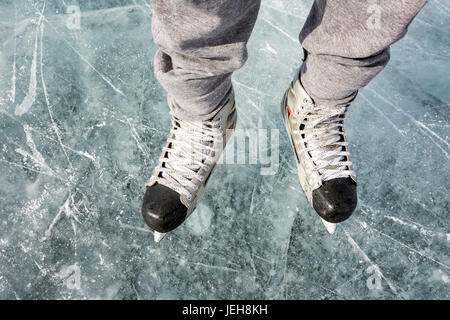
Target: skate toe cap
(162,209)
(336,199)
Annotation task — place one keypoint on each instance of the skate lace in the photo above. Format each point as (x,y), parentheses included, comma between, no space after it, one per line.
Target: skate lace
(192,146)
(322,133)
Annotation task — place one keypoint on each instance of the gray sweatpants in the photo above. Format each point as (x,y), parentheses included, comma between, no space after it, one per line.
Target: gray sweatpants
(202,42)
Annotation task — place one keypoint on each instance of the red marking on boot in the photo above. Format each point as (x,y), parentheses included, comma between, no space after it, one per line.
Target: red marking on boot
(229,132)
(289,112)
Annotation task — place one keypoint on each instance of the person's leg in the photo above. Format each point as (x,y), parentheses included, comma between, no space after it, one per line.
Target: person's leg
(200,44)
(347,42)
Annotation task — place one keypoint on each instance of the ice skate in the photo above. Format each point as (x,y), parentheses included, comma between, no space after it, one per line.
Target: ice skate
(321,150)
(186,163)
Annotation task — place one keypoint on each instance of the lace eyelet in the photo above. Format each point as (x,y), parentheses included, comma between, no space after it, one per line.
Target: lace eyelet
(189,197)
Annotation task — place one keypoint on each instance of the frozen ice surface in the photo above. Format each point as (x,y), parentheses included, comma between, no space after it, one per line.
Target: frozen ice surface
(82,121)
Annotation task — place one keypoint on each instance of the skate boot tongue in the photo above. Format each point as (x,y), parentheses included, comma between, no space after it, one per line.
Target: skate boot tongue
(325,142)
(189,158)
(189,155)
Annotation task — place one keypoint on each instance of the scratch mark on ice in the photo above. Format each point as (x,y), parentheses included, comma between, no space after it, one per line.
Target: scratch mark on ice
(280,30)
(411,249)
(136,138)
(28,168)
(269,49)
(31,95)
(216,267)
(81,153)
(263,259)
(251,89)
(367,259)
(424,129)
(88,63)
(13,86)
(10,286)
(47,100)
(283,11)
(252,200)
(420,124)
(127,226)
(62,209)
(419,228)
(36,156)
(370,104)
(83,58)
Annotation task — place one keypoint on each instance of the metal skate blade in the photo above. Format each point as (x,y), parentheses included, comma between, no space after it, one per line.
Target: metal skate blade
(158,236)
(331,227)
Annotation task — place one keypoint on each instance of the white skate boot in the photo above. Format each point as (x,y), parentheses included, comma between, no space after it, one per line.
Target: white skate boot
(187,161)
(321,151)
